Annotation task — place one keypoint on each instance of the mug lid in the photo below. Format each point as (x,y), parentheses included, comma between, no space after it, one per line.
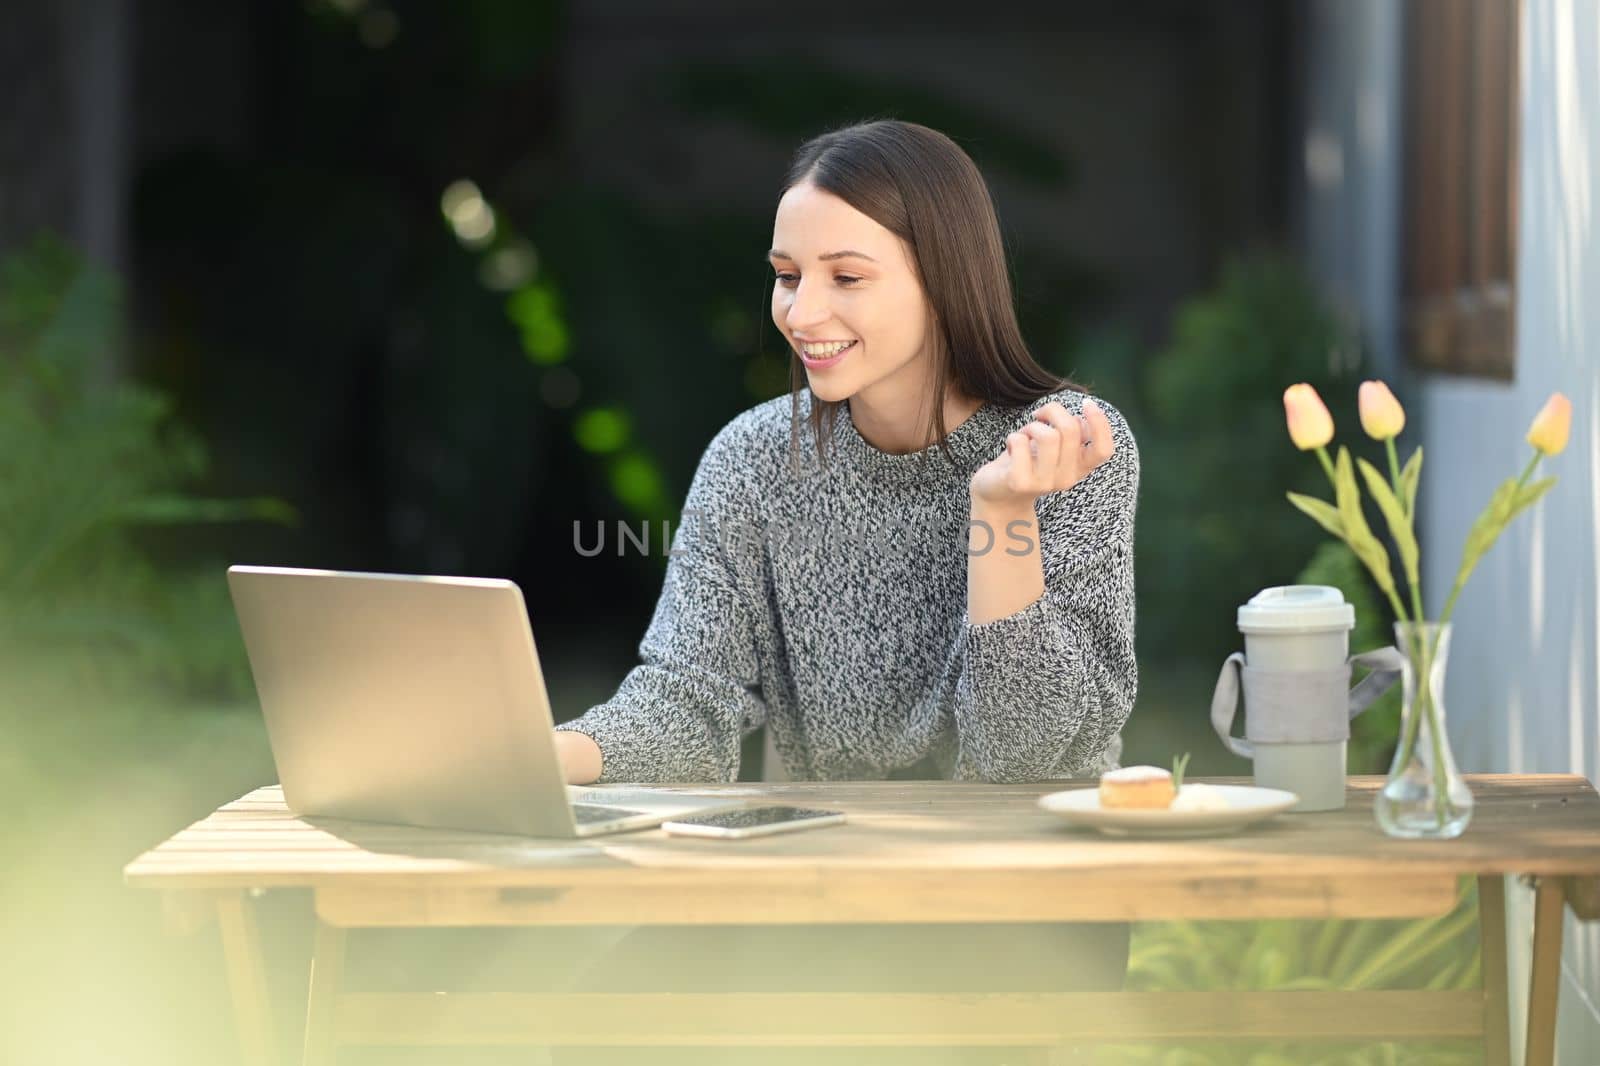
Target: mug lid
(1300,608)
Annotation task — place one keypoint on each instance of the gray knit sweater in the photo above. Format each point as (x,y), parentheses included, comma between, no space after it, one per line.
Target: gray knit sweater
(829,603)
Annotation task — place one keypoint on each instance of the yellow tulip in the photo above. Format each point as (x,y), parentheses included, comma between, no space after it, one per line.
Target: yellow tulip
(1310,424)
(1381,414)
(1550,426)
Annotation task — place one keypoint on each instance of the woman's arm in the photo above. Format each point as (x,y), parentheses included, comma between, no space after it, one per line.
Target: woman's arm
(680,714)
(1005,571)
(1046,675)
(580,757)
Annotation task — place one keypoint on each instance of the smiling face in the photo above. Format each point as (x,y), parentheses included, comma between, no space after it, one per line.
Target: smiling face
(842,278)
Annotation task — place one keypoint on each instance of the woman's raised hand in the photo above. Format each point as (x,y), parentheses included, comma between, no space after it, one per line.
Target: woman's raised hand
(1050,454)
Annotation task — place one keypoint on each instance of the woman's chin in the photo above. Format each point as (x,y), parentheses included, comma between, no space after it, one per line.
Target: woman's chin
(827,387)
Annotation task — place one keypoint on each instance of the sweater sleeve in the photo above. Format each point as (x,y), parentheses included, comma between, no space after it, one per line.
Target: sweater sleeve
(1044,692)
(680,714)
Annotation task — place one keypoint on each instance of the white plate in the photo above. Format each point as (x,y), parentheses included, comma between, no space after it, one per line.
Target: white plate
(1246,804)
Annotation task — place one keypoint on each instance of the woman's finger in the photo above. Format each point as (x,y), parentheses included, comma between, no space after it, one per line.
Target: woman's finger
(1064,422)
(1052,413)
(1051,452)
(1021,476)
(1101,441)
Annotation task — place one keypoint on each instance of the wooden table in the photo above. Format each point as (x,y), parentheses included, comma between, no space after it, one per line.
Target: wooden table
(913,851)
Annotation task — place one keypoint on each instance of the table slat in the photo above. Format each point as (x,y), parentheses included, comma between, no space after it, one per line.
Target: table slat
(791,1019)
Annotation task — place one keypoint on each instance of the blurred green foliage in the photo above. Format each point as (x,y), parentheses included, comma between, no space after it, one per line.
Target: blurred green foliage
(89,464)
(536,310)
(1214,524)
(1435,954)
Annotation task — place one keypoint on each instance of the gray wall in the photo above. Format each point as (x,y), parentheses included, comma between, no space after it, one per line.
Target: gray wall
(1522,679)
(1522,691)
(1349,155)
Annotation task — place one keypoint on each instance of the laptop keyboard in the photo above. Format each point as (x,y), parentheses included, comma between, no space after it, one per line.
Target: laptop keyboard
(590,813)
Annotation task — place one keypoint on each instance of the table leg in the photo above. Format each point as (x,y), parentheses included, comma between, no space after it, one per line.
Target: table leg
(1549,911)
(327,975)
(247,980)
(1492,958)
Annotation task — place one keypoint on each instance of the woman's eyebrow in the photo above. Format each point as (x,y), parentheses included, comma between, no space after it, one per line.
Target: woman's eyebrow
(775,254)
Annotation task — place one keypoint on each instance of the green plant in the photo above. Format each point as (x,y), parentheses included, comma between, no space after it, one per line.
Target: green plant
(1432,953)
(1212,529)
(1179,764)
(1311,428)
(87,464)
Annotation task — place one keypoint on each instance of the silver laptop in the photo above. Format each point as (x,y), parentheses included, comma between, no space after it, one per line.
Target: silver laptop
(419,701)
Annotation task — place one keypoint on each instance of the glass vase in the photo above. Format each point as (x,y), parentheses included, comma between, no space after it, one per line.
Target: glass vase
(1424,796)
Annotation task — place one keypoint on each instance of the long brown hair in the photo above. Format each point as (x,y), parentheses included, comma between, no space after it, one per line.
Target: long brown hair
(919,185)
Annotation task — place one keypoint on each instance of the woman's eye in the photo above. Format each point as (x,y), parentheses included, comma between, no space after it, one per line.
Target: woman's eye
(790,279)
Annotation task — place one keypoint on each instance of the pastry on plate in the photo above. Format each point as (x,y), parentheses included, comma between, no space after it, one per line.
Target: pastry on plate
(1137,786)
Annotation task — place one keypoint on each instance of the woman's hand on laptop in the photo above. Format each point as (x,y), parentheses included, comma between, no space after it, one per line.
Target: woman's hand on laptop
(580,757)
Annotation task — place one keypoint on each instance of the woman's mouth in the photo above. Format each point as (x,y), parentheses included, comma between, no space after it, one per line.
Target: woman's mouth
(824,358)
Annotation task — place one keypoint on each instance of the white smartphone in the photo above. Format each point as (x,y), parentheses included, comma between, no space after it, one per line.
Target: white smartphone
(752,822)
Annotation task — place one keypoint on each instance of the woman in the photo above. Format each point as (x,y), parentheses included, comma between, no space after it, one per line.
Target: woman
(829,592)
(919,564)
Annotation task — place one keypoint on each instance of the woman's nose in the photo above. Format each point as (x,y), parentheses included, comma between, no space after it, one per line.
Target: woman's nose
(809,308)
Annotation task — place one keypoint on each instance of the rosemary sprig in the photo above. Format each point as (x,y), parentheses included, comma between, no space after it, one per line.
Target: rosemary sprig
(1178,766)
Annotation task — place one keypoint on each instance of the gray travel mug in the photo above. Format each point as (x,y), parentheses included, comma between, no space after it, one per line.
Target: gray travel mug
(1295,674)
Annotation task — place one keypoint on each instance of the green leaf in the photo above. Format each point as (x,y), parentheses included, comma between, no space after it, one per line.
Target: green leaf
(1322,512)
(1275,967)
(1530,495)
(1320,958)
(1410,479)
(1357,533)
(1505,497)
(1416,941)
(1405,538)
(1361,939)
(1488,526)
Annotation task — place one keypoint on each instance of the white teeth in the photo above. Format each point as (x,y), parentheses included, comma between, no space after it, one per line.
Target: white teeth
(824,351)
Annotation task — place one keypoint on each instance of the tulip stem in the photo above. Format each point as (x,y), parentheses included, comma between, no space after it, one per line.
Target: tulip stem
(1394,602)
(1327,466)
(1394,475)
(1527,471)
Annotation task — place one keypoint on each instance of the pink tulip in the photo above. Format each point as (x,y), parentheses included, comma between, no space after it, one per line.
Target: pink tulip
(1551,425)
(1381,414)
(1310,424)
